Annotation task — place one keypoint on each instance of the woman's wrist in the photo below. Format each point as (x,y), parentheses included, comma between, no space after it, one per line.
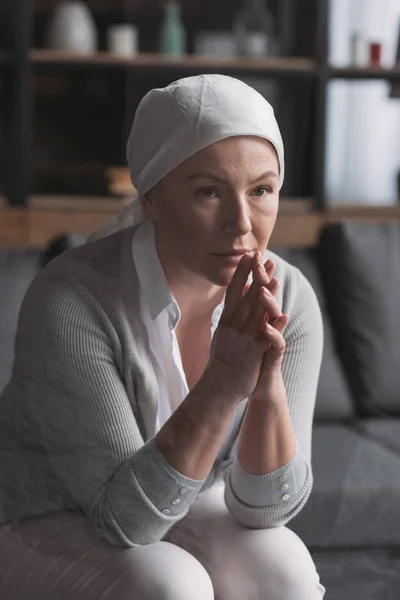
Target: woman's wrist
(273,390)
(212,383)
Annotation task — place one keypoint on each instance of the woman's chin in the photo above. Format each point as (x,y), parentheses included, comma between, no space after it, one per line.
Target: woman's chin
(222,276)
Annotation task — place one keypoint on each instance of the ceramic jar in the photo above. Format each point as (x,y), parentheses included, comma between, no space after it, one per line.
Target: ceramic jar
(72,28)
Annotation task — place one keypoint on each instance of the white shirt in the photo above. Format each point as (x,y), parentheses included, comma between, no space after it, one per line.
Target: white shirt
(161,315)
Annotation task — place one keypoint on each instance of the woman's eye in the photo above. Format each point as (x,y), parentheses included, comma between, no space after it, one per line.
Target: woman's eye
(207,192)
(262,191)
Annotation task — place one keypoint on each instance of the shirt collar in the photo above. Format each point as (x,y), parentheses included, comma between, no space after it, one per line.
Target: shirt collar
(151,274)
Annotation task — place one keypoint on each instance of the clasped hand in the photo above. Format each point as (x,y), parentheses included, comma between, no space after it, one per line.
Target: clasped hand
(248,345)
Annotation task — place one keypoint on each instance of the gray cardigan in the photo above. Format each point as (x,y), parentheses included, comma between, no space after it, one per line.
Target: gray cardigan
(78,415)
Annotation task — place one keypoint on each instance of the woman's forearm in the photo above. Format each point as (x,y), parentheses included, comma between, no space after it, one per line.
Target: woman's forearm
(192,436)
(267,440)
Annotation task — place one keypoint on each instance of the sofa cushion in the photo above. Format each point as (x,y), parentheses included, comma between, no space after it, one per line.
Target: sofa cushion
(362,574)
(360,270)
(386,431)
(60,244)
(356,493)
(17,269)
(333,396)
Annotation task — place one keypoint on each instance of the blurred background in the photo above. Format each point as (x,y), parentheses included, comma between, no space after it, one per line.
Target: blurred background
(72,73)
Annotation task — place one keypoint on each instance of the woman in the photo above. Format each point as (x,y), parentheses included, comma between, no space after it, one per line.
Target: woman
(156,429)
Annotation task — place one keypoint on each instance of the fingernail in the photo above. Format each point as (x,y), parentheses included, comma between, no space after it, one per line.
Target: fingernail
(279,320)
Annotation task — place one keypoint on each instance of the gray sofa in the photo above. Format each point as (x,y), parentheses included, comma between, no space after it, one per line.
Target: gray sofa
(351,522)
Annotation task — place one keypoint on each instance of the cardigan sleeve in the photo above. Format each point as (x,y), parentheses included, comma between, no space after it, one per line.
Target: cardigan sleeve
(273,499)
(77,409)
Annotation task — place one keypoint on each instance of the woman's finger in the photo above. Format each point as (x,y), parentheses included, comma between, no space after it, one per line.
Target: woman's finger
(273,286)
(270,304)
(234,291)
(280,323)
(256,320)
(269,266)
(260,274)
(246,289)
(260,279)
(251,301)
(276,339)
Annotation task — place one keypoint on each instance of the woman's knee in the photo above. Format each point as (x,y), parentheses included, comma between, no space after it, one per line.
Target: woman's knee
(62,557)
(161,571)
(271,564)
(290,567)
(285,566)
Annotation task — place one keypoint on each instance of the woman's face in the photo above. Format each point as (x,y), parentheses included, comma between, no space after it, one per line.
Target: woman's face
(223,198)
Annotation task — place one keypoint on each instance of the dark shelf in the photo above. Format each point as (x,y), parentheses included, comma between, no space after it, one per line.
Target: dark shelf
(274,67)
(365,73)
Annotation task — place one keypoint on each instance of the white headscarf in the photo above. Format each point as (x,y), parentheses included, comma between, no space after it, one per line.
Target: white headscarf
(173,123)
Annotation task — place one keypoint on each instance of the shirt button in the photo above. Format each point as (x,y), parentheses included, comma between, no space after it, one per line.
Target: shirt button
(285,496)
(166,511)
(176,501)
(184,491)
(283,478)
(285,487)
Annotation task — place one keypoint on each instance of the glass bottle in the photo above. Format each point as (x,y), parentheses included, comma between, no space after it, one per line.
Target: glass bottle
(173,34)
(253,28)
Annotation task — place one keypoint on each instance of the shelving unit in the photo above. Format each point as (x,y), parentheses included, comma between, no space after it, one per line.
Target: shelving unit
(30,62)
(75,203)
(27,61)
(276,66)
(18,118)
(365,73)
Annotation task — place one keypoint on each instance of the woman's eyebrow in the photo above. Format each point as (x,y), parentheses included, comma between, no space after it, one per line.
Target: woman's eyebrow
(267,175)
(209,175)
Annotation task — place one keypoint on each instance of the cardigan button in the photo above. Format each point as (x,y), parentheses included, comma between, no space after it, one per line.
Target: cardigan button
(166,511)
(285,496)
(283,478)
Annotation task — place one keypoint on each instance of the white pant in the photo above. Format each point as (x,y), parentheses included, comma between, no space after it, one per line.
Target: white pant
(206,556)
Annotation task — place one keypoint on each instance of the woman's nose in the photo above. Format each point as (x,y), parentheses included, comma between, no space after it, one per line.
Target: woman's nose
(237,218)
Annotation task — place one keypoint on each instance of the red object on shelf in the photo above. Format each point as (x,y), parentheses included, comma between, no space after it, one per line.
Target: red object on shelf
(375,53)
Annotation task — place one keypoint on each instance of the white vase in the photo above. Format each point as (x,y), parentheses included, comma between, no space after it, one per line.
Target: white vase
(72,28)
